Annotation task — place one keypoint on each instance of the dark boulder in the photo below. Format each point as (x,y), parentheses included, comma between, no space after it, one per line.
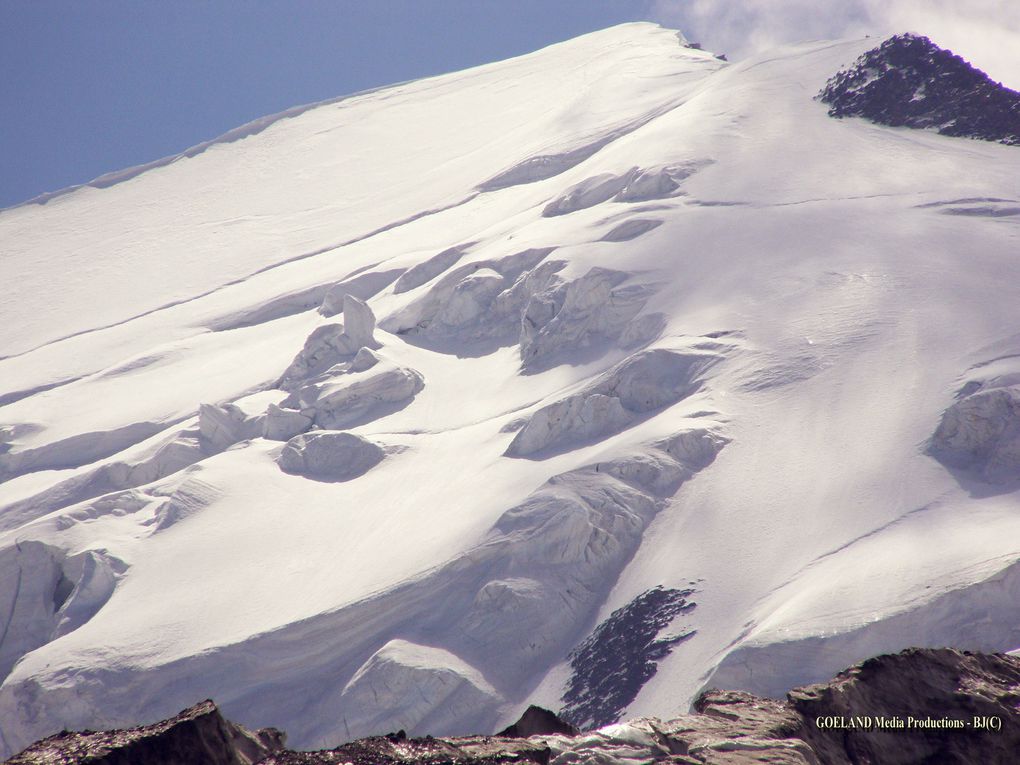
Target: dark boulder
(919,706)
(537,721)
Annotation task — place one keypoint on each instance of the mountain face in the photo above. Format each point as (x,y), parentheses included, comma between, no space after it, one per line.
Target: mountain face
(920,706)
(909,81)
(410,409)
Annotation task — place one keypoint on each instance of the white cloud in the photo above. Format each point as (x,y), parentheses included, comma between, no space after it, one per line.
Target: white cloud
(985,32)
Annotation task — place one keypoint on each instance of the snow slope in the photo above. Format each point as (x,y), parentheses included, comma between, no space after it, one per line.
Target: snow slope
(611,316)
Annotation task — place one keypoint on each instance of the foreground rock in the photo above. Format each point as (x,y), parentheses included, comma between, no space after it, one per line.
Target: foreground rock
(197,735)
(537,721)
(954,707)
(919,706)
(397,749)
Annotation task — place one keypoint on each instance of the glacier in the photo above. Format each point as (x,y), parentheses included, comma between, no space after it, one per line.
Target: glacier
(368,417)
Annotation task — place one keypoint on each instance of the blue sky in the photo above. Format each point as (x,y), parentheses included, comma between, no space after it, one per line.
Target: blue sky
(98,85)
(91,87)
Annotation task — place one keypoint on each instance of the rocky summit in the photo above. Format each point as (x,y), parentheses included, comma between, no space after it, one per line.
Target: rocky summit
(199,734)
(591,379)
(919,706)
(908,81)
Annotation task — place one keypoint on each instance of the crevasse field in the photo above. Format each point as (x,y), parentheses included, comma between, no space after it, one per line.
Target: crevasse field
(364,416)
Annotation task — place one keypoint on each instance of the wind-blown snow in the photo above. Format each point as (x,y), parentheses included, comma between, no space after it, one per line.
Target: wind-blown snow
(365,419)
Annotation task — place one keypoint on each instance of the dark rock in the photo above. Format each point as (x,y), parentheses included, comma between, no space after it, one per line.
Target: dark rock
(736,727)
(537,721)
(922,706)
(612,665)
(908,81)
(939,695)
(199,734)
(382,750)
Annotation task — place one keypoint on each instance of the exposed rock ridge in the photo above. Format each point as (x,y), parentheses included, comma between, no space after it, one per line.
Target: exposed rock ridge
(612,665)
(537,721)
(919,706)
(908,81)
(950,692)
(199,734)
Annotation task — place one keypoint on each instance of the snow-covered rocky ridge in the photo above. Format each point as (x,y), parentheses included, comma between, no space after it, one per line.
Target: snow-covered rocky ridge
(369,419)
(909,81)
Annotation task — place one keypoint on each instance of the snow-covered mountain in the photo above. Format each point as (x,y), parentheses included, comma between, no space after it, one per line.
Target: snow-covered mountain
(588,378)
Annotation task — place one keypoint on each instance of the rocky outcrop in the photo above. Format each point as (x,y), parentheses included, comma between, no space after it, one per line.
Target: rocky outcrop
(537,721)
(613,663)
(918,707)
(398,749)
(196,735)
(732,728)
(980,433)
(908,81)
